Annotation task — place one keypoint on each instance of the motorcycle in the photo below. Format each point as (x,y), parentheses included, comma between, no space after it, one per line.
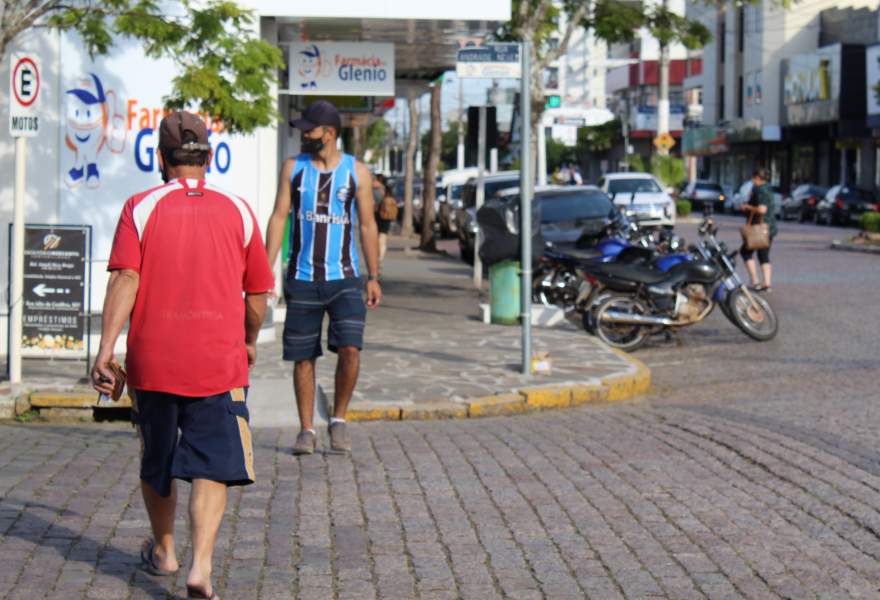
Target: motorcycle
(560,279)
(645,301)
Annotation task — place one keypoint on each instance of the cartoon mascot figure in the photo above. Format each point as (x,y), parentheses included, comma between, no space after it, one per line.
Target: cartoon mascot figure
(90,127)
(311,67)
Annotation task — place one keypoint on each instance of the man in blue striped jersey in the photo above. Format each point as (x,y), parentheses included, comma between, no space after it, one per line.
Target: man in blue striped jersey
(324,198)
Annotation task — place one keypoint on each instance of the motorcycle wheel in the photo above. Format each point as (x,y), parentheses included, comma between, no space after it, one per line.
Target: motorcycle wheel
(755,318)
(622,336)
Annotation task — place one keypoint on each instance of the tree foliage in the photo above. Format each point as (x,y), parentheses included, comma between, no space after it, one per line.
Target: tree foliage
(599,138)
(223,69)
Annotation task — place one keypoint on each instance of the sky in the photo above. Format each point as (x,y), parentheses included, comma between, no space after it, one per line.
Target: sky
(474,94)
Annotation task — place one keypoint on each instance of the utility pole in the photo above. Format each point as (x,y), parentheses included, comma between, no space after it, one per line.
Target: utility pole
(663,101)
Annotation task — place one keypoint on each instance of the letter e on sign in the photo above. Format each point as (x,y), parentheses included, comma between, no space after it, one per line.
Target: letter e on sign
(24,95)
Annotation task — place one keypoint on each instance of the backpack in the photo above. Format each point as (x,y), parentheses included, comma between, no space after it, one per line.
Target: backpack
(388,209)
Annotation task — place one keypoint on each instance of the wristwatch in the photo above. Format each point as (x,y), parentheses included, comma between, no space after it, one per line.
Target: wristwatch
(372,278)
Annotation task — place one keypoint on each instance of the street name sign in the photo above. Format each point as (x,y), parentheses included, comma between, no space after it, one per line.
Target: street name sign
(24,95)
(489,61)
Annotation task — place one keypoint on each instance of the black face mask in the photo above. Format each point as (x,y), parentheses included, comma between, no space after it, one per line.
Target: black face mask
(312,146)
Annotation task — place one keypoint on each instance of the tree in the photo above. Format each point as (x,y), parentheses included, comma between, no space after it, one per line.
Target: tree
(429,192)
(223,69)
(377,138)
(539,21)
(410,166)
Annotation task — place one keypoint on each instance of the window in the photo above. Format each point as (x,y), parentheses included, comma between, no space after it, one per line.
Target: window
(564,207)
(739,97)
(630,186)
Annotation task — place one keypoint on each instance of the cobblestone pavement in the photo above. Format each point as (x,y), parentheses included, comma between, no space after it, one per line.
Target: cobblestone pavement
(751,472)
(596,502)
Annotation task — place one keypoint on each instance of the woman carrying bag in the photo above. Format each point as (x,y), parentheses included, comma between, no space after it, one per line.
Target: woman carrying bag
(759,231)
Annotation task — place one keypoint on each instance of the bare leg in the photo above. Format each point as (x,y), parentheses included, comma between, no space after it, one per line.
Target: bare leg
(767,269)
(304,386)
(347,369)
(752,268)
(207,503)
(161,512)
(383,246)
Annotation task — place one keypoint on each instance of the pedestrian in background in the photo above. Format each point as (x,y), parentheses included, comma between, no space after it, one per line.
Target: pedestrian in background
(325,197)
(760,206)
(386,214)
(189,269)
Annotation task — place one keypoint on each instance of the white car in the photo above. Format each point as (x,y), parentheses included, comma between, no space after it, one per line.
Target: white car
(743,194)
(641,196)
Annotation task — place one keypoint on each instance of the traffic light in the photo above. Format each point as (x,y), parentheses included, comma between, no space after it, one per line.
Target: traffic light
(554,101)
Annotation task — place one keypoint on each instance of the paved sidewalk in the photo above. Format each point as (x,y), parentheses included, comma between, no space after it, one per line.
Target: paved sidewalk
(424,344)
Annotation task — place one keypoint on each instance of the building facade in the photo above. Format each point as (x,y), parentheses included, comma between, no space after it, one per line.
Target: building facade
(785,90)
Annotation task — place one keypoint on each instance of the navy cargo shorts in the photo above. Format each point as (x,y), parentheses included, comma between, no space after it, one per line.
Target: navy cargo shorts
(214,440)
(308,301)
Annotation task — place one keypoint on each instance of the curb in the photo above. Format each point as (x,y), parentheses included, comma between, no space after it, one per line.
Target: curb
(848,247)
(617,388)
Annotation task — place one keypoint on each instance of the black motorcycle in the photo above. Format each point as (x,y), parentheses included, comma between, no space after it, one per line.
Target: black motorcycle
(640,301)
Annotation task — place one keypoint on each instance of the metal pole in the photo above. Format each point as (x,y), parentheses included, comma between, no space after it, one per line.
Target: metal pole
(525,186)
(459,151)
(17,288)
(542,155)
(481,195)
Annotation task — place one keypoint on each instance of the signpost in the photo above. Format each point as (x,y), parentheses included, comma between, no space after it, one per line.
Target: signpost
(509,61)
(24,122)
(492,61)
(56,279)
(664,142)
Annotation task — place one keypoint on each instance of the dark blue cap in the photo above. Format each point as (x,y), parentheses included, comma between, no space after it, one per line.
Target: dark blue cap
(319,113)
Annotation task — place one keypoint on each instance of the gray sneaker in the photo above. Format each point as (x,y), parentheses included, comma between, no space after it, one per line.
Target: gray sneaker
(339,438)
(305,443)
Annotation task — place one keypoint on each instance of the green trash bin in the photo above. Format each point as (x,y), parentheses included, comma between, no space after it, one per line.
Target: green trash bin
(504,292)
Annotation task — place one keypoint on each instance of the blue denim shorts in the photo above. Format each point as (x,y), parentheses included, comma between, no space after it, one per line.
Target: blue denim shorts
(308,301)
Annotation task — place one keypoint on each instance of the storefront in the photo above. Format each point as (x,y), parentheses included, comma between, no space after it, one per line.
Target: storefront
(117,99)
(824,117)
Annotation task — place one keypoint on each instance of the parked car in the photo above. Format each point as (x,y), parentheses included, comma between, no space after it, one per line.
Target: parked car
(466,216)
(743,194)
(641,196)
(452,183)
(801,205)
(844,205)
(703,193)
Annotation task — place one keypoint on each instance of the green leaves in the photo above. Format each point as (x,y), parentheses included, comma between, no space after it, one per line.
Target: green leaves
(224,69)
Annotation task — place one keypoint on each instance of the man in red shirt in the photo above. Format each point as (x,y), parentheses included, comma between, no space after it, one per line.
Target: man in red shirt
(188,267)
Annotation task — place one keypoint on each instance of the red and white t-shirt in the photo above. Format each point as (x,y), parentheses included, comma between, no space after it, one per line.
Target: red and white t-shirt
(197,250)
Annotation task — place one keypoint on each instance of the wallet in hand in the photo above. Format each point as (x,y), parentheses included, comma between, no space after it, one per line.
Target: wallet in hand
(118,383)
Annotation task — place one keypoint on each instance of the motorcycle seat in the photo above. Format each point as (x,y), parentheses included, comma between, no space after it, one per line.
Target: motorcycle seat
(636,273)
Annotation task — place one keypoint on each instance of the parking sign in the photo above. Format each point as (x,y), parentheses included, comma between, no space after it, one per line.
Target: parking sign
(24,95)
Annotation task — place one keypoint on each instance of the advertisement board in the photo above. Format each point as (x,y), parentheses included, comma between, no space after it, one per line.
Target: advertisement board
(341,69)
(56,270)
(645,118)
(811,87)
(111,107)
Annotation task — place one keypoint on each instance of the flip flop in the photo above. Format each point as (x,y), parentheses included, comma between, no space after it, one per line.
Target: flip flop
(148,562)
(192,592)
